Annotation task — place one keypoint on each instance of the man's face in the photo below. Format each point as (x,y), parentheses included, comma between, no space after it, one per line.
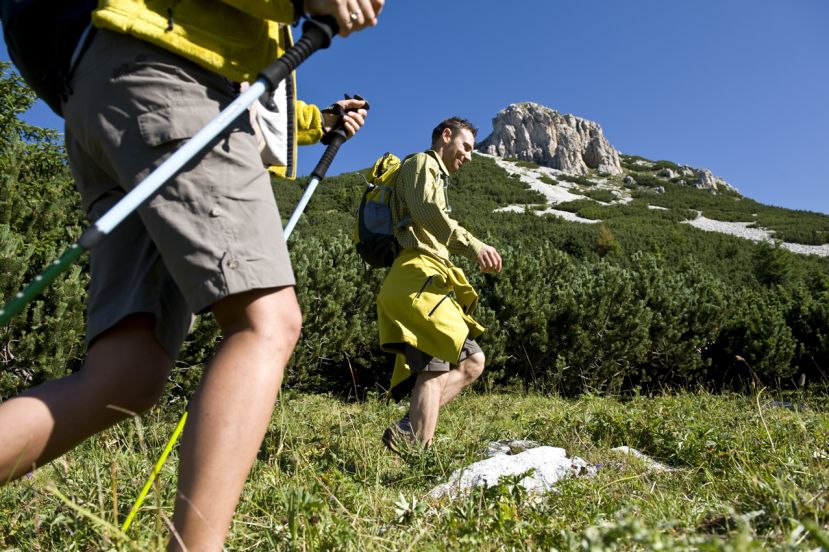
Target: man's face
(457,149)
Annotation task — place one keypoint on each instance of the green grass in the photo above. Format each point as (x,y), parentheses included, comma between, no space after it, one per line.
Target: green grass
(749,475)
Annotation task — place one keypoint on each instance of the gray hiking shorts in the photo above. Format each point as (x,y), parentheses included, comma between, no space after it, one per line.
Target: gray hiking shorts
(212,231)
(419,361)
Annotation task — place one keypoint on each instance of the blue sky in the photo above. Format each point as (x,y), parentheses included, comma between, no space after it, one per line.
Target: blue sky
(740,87)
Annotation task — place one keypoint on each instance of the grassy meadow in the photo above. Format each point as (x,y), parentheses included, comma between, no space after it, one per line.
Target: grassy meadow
(751,473)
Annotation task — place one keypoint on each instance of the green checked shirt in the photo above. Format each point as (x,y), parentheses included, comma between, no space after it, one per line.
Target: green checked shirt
(420,201)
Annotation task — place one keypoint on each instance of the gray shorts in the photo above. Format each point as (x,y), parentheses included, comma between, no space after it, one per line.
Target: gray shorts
(212,231)
(419,361)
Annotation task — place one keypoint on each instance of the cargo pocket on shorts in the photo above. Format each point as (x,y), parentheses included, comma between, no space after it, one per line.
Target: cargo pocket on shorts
(173,123)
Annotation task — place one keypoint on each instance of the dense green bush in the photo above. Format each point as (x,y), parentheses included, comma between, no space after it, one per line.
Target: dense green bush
(649,180)
(337,292)
(39,217)
(689,308)
(663,164)
(794,226)
(805,307)
(755,344)
(585,208)
(635,163)
(600,195)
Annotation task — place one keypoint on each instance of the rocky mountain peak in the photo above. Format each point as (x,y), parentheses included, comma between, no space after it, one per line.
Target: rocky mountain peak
(533,132)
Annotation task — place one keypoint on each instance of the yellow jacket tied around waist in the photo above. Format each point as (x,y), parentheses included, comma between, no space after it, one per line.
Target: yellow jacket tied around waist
(425,302)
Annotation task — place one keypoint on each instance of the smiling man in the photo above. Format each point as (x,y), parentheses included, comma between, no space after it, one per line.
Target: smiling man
(425,304)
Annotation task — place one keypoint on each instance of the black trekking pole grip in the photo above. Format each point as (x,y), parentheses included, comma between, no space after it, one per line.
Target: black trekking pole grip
(316,35)
(337,138)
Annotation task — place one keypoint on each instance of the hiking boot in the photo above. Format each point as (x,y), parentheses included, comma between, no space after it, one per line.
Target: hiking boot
(399,435)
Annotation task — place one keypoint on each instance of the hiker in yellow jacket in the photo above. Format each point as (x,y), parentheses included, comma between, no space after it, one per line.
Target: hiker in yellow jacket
(153,73)
(425,304)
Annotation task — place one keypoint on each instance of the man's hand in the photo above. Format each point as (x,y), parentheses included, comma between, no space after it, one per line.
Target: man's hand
(353,119)
(489,259)
(351,15)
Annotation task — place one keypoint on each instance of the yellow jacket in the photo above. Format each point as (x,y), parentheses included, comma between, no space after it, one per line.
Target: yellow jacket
(427,302)
(234,38)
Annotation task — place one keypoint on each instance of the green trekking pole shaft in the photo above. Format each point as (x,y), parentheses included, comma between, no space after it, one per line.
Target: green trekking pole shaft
(19,301)
(316,34)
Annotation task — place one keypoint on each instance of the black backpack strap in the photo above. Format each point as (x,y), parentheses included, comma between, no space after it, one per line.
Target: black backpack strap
(81,48)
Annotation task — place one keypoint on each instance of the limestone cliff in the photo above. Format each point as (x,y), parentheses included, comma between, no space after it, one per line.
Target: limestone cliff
(532,132)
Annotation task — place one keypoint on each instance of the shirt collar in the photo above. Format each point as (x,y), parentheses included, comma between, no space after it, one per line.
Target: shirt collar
(442,166)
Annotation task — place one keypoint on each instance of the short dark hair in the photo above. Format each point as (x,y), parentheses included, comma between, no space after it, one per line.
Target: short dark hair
(456,124)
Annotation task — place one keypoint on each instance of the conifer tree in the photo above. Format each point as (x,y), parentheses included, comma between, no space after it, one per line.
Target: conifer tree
(39,217)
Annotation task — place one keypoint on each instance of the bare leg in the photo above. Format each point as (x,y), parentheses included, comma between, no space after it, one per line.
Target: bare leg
(230,412)
(434,389)
(125,367)
(425,404)
(469,370)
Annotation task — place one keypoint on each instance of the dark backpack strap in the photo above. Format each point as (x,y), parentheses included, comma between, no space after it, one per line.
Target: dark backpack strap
(81,48)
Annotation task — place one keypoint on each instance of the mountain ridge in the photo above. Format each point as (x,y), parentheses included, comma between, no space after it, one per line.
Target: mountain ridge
(532,132)
(567,159)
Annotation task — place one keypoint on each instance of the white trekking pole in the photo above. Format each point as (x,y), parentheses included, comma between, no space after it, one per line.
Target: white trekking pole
(316,34)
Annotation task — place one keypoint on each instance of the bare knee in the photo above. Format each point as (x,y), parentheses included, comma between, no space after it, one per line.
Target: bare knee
(271,316)
(473,366)
(290,325)
(144,389)
(430,382)
(134,385)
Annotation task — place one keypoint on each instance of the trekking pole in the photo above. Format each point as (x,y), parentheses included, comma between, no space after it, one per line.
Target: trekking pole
(335,138)
(316,34)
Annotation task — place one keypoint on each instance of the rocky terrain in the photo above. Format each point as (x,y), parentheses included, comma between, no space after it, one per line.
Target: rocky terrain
(562,191)
(532,132)
(546,150)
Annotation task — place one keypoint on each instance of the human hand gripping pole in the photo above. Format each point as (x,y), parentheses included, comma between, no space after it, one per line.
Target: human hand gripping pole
(316,35)
(334,139)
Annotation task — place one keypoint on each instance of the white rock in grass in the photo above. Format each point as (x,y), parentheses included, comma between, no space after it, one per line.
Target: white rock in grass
(543,466)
